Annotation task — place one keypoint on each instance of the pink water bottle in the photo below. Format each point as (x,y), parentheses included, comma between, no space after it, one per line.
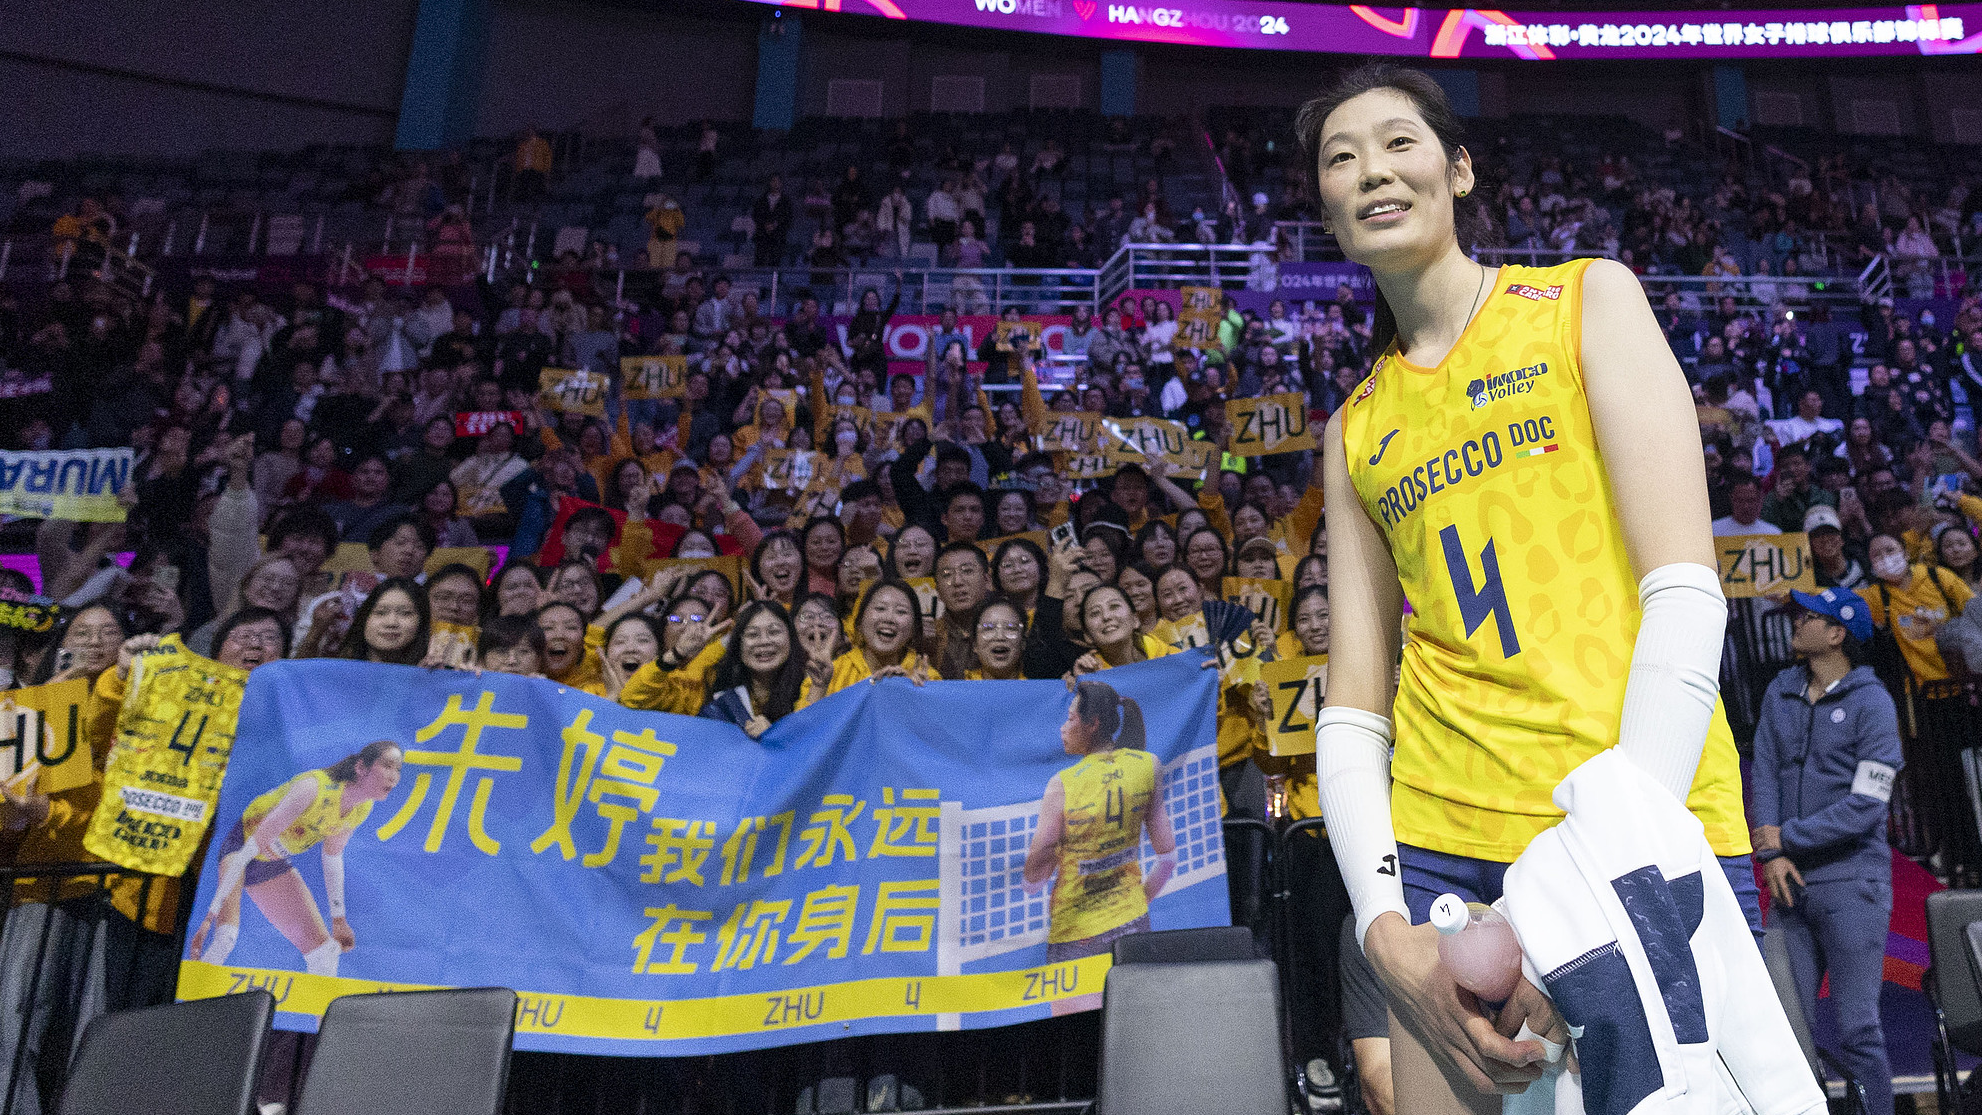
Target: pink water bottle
(1478,947)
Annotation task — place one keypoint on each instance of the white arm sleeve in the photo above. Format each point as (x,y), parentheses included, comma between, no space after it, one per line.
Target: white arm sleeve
(333,882)
(1352,757)
(1675,673)
(232,874)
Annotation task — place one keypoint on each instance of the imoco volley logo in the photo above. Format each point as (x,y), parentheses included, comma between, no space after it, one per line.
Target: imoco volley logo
(1516,382)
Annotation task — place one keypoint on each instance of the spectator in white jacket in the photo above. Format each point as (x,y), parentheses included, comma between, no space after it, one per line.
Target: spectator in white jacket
(895,219)
(944,213)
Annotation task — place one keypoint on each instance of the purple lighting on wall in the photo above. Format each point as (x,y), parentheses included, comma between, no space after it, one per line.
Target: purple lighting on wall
(1915,29)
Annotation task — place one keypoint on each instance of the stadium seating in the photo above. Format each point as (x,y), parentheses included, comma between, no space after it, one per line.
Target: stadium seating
(1181,1038)
(195,1058)
(1954,985)
(412,1053)
(219,202)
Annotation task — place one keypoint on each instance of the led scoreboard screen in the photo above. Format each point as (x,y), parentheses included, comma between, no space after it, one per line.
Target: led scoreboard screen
(1918,29)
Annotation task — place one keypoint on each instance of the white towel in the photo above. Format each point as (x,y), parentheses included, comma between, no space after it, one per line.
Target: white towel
(1624,914)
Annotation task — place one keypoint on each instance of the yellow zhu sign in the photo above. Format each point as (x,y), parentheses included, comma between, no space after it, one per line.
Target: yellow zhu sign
(1765,564)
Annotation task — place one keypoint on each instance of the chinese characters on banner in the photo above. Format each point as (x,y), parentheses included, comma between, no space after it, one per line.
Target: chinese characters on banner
(663,885)
(475,423)
(1355,29)
(1734,33)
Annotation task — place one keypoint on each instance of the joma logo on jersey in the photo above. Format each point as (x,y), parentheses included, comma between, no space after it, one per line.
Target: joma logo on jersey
(1535,293)
(1504,385)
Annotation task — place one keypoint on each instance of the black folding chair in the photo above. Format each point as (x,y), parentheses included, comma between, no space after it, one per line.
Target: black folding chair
(196,1058)
(1185,1036)
(1952,987)
(1775,954)
(412,1053)
(1184,946)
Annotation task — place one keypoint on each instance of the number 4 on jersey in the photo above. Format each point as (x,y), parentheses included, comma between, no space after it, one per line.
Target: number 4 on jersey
(1488,599)
(191,747)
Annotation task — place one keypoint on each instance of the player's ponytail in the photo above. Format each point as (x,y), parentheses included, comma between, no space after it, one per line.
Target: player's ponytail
(1132,734)
(346,769)
(1116,718)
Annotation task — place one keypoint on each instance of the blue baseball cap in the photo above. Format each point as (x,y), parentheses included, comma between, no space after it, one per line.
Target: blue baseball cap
(1842,605)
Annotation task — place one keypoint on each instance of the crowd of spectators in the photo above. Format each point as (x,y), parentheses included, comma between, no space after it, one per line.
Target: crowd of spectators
(1814,219)
(935,537)
(270,433)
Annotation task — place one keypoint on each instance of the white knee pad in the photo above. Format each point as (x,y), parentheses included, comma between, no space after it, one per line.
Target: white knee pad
(220,943)
(322,960)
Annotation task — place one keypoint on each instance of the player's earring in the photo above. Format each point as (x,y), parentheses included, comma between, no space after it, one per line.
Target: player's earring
(1462,193)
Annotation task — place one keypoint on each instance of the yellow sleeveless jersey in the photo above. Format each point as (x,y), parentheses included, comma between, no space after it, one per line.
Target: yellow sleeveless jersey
(321,821)
(1099,886)
(1483,474)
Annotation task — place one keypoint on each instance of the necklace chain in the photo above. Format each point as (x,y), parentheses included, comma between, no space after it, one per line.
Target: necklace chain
(1476,295)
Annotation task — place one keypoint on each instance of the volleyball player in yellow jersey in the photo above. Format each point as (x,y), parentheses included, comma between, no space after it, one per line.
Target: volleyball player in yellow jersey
(1524,465)
(317,806)
(1089,839)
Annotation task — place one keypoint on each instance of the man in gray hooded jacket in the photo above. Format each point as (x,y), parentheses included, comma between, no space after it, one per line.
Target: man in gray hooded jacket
(1827,752)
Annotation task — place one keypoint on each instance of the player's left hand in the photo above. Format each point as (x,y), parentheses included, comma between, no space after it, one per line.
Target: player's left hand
(1530,1005)
(340,930)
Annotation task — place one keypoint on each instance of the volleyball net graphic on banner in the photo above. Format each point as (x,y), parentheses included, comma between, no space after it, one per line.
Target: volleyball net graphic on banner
(986,910)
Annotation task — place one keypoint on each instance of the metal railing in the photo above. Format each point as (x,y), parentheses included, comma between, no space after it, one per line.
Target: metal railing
(1536,257)
(1944,276)
(1733,148)
(76,956)
(404,258)
(1307,241)
(923,290)
(1876,280)
(1142,266)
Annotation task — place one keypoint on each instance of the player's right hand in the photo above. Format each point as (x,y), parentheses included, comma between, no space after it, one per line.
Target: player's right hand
(1777,874)
(200,935)
(1446,1017)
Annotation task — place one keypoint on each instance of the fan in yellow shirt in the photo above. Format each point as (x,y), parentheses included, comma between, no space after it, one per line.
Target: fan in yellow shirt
(569,657)
(692,643)
(1913,601)
(316,807)
(1113,629)
(887,627)
(1091,824)
(1308,635)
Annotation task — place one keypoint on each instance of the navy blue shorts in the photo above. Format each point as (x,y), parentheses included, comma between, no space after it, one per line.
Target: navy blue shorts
(262,870)
(1428,874)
